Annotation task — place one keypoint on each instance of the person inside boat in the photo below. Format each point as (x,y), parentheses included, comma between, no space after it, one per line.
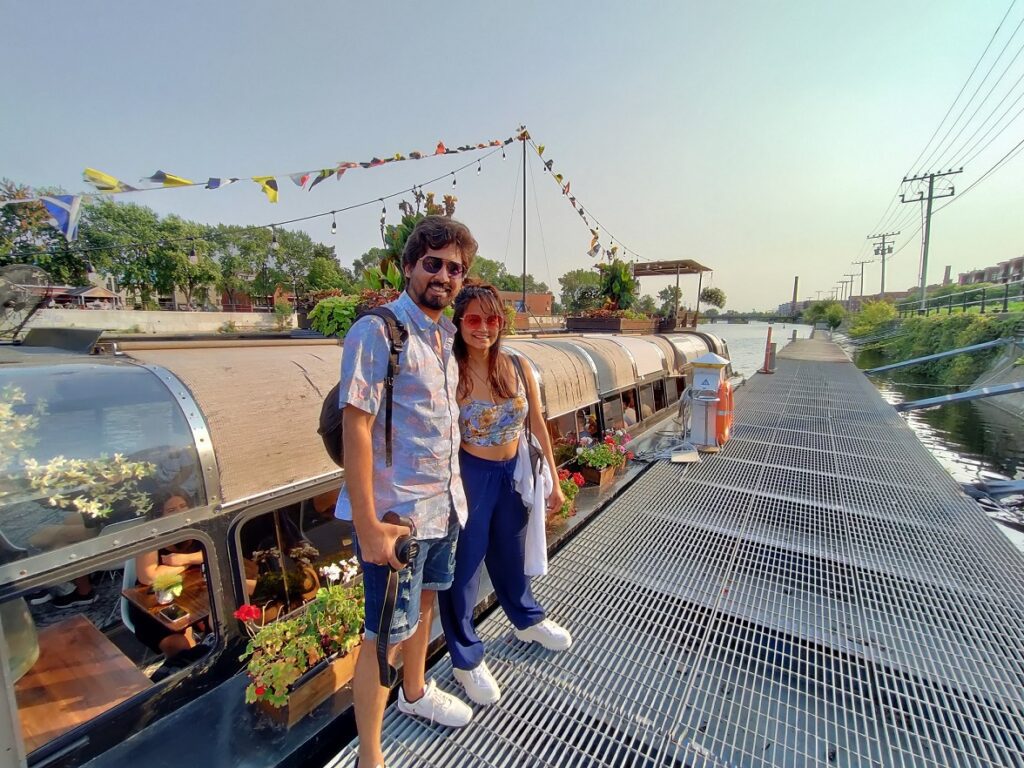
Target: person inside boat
(172,560)
(493,406)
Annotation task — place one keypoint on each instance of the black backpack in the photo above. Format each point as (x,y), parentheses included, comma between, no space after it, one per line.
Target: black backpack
(330,428)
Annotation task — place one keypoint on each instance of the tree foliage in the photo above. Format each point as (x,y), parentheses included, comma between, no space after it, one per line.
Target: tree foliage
(670,297)
(581,290)
(26,237)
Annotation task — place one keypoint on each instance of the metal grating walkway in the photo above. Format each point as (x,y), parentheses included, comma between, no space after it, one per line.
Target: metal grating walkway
(820,593)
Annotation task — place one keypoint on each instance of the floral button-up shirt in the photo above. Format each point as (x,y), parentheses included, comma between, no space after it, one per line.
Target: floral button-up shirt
(423,481)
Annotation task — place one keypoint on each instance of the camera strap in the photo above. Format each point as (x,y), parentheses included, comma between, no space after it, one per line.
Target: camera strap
(388,674)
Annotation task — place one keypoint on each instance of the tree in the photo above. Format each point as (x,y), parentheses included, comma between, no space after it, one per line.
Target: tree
(713,296)
(581,289)
(488,270)
(191,274)
(646,304)
(325,274)
(670,297)
(822,311)
(373,258)
(27,237)
(711,312)
(293,258)
(124,235)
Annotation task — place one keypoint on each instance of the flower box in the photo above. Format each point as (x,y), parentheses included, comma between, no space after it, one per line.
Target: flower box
(599,477)
(610,325)
(313,688)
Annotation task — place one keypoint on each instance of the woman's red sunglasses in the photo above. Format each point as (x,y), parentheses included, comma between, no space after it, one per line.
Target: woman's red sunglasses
(475,321)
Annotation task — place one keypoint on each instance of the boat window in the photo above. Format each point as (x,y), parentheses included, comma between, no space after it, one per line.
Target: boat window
(284,553)
(79,648)
(659,396)
(647,406)
(675,388)
(612,409)
(564,432)
(87,445)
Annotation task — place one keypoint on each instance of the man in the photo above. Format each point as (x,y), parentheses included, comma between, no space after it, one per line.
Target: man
(423,481)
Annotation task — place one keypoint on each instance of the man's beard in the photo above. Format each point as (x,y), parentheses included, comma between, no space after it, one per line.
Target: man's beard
(435,301)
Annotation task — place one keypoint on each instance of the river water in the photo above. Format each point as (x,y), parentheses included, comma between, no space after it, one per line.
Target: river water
(966,438)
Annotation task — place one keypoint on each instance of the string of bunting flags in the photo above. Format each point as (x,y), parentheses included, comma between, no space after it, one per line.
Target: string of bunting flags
(65,209)
(596,249)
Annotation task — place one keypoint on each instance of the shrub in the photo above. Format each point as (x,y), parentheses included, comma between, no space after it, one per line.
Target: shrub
(334,315)
(873,316)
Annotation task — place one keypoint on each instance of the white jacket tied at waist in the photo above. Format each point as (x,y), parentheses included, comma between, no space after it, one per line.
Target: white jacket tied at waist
(534,489)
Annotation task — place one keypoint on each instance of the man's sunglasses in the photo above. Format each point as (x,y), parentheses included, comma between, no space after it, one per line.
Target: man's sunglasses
(433,265)
(475,321)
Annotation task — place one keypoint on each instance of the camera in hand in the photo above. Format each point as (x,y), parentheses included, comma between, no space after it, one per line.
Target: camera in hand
(406,546)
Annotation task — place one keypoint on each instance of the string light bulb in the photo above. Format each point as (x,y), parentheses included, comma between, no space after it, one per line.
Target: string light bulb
(454,180)
(334,223)
(273,240)
(477,167)
(192,253)
(502,151)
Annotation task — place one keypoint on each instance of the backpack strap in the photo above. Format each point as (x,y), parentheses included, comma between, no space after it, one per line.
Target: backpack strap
(398,335)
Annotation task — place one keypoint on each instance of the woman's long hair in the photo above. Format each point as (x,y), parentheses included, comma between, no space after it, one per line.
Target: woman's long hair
(490,304)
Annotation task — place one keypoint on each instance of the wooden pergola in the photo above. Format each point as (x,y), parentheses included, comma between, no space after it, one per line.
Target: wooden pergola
(675,267)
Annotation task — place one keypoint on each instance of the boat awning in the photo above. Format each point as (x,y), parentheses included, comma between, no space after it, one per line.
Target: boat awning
(648,357)
(668,268)
(567,379)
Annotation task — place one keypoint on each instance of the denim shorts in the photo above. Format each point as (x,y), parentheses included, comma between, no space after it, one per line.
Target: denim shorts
(432,569)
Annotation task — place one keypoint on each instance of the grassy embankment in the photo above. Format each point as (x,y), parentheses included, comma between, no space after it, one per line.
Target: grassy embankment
(920,336)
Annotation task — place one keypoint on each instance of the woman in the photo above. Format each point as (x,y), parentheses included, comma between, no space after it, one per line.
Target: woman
(493,408)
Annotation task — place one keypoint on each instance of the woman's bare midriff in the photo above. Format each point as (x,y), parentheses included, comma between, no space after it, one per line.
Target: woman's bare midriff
(502,452)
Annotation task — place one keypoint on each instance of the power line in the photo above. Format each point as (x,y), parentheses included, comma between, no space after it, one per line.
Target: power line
(962,89)
(998,164)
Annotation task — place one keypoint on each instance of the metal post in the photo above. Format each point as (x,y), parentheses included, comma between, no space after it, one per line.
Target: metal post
(700,280)
(949,307)
(1006,296)
(675,318)
(964,307)
(524,223)
(927,233)
(983,301)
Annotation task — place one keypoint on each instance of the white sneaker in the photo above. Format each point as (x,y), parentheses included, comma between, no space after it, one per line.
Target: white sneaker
(436,706)
(480,685)
(548,634)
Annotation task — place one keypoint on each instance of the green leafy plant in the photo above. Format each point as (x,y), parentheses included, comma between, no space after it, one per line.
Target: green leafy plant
(597,455)
(618,285)
(168,582)
(391,277)
(713,296)
(334,315)
(228,327)
(280,652)
(282,313)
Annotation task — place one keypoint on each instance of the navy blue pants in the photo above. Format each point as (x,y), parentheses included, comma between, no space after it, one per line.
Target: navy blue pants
(495,534)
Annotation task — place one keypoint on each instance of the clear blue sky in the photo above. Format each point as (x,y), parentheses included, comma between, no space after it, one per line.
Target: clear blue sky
(764,139)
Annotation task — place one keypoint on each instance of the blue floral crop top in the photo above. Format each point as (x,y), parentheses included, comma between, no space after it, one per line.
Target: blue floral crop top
(488,424)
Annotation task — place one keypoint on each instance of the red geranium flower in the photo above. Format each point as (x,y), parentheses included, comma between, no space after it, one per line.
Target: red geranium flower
(563,474)
(260,690)
(247,612)
(578,479)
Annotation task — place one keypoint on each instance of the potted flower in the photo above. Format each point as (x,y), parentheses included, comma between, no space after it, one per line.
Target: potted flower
(570,482)
(296,663)
(619,439)
(167,586)
(596,461)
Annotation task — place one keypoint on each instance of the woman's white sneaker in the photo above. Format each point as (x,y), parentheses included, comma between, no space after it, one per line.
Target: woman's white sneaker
(548,634)
(479,683)
(436,706)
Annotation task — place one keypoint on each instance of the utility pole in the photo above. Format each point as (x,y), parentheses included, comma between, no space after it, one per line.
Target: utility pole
(928,217)
(524,223)
(883,251)
(849,297)
(818,297)
(862,263)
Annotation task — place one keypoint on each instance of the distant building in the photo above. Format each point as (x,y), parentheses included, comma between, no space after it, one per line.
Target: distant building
(536,303)
(1003,272)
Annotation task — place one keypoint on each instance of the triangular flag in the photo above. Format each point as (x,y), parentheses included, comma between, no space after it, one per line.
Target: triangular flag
(322,176)
(169,180)
(440,148)
(213,183)
(558,178)
(269,186)
(300,179)
(342,167)
(548,164)
(540,150)
(593,240)
(524,135)
(572,200)
(64,211)
(594,251)
(105,182)
(415,155)
(565,189)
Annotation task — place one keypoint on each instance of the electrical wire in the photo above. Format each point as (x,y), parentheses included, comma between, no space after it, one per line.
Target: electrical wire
(977,89)
(998,164)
